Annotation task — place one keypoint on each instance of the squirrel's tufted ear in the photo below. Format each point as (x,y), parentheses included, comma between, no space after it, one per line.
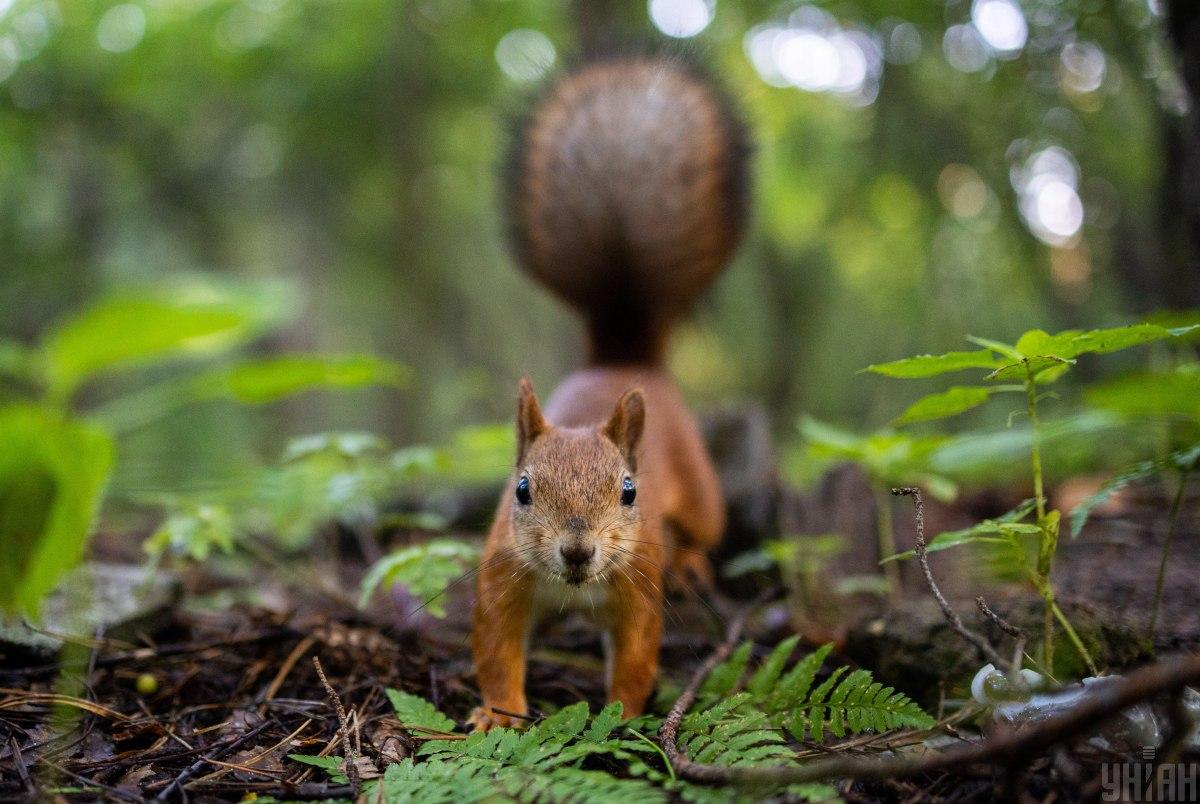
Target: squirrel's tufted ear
(530,422)
(625,426)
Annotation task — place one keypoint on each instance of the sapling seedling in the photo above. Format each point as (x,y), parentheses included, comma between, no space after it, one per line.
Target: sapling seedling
(888,458)
(1036,360)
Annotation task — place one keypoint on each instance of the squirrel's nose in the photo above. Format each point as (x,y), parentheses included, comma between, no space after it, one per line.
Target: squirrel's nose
(577,552)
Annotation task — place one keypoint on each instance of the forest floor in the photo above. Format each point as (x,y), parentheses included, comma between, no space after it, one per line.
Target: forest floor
(210,700)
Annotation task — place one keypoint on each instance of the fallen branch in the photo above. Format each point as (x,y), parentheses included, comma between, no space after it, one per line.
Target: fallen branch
(1009,747)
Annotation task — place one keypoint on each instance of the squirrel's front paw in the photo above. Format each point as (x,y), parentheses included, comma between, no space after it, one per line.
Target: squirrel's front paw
(484,719)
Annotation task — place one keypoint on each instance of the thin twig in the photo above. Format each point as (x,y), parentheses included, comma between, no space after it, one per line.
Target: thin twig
(351,758)
(113,792)
(286,668)
(955,621)
(191,770)
(19,761)
(1001,623)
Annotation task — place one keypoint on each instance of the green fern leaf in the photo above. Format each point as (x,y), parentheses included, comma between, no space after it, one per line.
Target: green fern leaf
(818,708)
(793,688)
(575,786)
(725,676)
(603,724)
(768,673)
(436,782)
(414,711)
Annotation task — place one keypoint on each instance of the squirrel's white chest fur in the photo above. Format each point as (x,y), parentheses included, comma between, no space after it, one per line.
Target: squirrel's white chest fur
(593,600)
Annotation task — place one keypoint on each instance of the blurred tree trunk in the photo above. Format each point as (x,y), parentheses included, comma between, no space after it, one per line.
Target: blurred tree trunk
(606,25)
(1179,275)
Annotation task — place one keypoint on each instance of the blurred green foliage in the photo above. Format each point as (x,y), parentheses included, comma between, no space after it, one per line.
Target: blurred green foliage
(352,154)
(203,195)
(60,443)
(52,474)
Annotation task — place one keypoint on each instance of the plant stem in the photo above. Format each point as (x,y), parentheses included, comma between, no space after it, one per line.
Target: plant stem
(655,746)
(1166,552)
(1045,556)
(1072,635)
(887,540)
(1036,451)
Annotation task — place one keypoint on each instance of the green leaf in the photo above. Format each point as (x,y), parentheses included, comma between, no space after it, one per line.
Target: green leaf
(817,708)
(1150,395)
(932,365)
(1006,349)
(1030,366)
(261,381)
(795,684)
(349,446)
(725,676)
(52,476)
(1072,343)
(1182,460)
(1036,342)
(952,402)
(768,673)
(989,531)
(194,533)
(331,766)
(123,332)
(602,724)
(888,457)
(426,569)
(1104,341)
(415,712)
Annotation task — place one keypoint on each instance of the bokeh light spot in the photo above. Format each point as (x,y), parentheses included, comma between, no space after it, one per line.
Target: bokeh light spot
(525,55)
(8,57)
(1083,67)
(964,49)
(121,28)
(681,18)
(1001,24)
(962,191)
(813,53)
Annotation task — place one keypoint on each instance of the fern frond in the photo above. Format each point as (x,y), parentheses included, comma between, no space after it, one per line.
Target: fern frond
(768,673)
(854,704)
(794,686)
(575,786)
(413,711)
(724,677)
(725,795)
(436,782)
(732,732)
(845,702)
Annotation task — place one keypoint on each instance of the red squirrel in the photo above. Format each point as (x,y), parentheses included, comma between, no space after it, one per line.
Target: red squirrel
(626,194)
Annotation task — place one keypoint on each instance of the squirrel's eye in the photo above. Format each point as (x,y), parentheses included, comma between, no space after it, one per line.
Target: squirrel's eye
(628,492)
(523,495)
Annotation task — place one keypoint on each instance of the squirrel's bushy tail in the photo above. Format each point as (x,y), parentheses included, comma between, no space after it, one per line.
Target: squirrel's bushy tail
(627,195)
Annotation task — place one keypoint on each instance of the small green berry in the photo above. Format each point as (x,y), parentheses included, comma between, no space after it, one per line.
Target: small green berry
(147,684)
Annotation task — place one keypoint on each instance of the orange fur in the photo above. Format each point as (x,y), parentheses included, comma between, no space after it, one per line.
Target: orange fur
(575,459)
